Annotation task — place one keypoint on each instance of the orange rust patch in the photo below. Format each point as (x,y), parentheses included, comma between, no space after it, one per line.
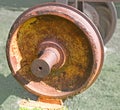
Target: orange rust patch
(50,100)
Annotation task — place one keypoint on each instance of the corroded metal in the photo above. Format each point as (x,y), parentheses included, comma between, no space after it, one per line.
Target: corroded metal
(50,54)
(78,35)
(41,66)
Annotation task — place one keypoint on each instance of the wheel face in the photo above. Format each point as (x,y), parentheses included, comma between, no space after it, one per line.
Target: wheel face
(80,40)
(79,61)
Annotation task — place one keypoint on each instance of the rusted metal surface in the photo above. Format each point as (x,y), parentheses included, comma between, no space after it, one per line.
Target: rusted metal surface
(50,100)
(51,54)
(76,33)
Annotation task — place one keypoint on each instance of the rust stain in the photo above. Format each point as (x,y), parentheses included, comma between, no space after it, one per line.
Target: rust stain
(77,68)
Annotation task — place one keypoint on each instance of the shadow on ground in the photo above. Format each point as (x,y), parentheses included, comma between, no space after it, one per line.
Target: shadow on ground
(9,86)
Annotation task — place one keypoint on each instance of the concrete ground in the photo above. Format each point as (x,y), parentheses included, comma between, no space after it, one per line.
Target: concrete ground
(104,94)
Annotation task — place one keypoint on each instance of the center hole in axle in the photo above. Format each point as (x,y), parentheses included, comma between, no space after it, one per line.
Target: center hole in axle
(40,68)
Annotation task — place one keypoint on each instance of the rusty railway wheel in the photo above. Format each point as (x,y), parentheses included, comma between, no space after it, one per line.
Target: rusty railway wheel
(54,50)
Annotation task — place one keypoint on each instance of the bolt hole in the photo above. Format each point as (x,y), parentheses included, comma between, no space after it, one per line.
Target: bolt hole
(40,68)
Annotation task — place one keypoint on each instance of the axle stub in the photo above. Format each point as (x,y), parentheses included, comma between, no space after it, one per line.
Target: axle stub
(51,54)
